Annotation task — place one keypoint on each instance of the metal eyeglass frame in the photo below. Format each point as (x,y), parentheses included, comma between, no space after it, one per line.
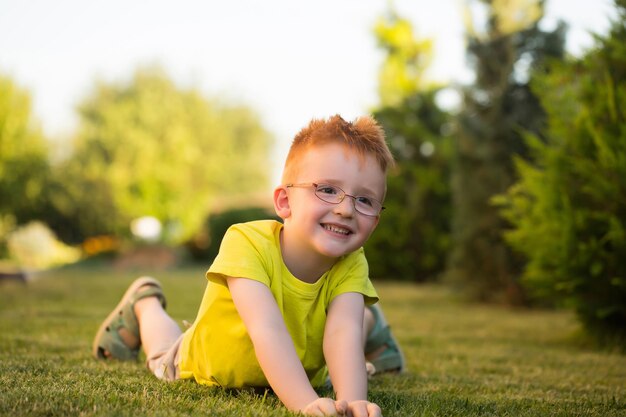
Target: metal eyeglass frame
(342,194)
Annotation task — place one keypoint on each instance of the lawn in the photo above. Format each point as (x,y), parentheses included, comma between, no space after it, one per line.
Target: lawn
(463,360)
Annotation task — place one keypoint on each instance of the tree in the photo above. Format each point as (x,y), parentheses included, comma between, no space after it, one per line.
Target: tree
(23,158)
(568,209)
(407,58)
(497,108)
(150,148)
(413,235)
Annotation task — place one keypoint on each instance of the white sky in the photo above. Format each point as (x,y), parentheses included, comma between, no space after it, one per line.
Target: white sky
(289,60)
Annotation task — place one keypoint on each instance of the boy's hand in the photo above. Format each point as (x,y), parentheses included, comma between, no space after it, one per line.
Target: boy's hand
(363,408)
(326,407)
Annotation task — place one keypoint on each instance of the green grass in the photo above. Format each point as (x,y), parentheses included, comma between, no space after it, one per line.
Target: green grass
(463,360)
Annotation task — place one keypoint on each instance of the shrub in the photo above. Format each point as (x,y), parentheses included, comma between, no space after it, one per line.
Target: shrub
(206,244)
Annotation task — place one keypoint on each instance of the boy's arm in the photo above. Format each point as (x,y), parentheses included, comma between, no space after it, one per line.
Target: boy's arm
(343,350)
(275,350)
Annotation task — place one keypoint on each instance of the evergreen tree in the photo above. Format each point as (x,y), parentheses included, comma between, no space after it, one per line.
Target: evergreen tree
(569,207)
(497,108)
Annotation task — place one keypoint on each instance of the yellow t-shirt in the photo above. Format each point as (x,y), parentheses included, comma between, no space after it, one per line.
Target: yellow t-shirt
(217,350)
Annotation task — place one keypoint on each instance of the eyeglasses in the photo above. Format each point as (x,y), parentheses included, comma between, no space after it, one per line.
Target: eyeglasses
(367,206)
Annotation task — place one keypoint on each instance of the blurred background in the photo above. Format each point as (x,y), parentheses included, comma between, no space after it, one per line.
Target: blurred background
(134,133)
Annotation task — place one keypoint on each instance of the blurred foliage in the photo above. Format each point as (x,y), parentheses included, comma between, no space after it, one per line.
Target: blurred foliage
(101,245)
(569,207)
(24,164)
(35,246)
(7,225)
(206,243)
(412,237)
(497,108)
(505,17)
(148,147)
(407,58)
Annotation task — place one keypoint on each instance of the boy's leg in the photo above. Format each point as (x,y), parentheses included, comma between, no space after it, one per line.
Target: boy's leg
(160,336)
(381,348)
(158,331)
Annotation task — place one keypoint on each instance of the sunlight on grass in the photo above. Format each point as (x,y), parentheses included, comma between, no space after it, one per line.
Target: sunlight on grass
(463,359)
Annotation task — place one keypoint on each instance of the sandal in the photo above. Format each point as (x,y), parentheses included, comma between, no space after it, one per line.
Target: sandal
(391,358)
(119,332)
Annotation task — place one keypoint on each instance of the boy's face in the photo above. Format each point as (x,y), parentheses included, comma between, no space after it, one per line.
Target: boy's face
(325,229)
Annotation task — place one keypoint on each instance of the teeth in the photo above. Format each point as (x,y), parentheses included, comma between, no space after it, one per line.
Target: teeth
(336,229)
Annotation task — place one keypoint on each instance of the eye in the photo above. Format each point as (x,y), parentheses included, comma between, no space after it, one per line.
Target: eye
(327,189)
(366,201)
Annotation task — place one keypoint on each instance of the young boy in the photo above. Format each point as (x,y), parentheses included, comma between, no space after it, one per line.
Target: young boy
(286,304)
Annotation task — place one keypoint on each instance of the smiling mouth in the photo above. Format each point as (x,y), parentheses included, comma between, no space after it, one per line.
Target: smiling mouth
(337,229)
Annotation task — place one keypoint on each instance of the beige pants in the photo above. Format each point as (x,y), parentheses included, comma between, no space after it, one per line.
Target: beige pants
(164,363)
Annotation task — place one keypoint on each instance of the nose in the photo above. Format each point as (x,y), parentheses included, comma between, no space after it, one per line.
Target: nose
(346,207)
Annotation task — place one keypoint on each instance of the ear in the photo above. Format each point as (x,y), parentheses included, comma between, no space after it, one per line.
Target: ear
(281,202)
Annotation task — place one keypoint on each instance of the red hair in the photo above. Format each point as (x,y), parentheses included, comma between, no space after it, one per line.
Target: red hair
(364,135)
